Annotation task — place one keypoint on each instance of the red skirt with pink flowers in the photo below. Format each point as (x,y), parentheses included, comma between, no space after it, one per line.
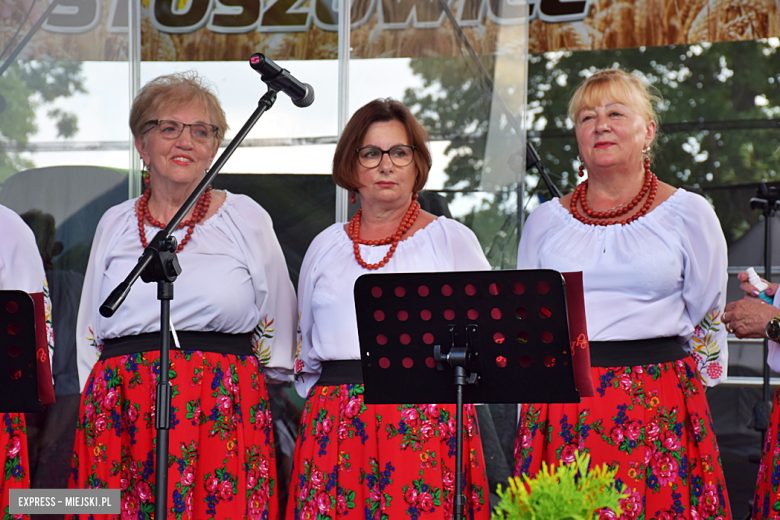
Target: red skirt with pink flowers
(16,465)
(766,503)
(653,424)
(382,462)
(221,462)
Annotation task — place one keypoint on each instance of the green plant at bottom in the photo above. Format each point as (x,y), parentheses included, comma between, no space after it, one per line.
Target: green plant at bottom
(566,492)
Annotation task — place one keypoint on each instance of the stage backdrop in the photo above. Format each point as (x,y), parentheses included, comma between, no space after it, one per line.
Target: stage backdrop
(218,30)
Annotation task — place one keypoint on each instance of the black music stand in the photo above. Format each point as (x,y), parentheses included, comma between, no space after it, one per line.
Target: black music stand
(425,336)
(18,365)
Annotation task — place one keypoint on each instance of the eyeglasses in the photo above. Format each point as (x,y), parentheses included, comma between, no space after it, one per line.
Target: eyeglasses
(371,156)
(170,129)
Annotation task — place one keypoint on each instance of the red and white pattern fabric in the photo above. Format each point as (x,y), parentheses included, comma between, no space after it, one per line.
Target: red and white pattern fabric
(234,280)
(221,462)
(650,422)
(661,276)
(382,462)
(766,502)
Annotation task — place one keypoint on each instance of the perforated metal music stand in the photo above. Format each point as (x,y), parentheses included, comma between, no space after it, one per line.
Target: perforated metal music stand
(474,337)
(18,364)
(520,343)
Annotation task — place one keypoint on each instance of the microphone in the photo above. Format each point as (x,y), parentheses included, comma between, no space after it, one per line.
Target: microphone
(302,94)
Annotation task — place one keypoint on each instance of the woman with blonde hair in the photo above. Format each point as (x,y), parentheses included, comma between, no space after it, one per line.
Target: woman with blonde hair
(653,262)
(235,317)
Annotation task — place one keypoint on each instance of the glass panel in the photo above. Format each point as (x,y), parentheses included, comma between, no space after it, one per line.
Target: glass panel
(467,88)
(477,139)
(719,138)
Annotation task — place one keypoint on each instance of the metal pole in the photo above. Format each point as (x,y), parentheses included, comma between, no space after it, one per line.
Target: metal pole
(163,403)
(342,197)
(768,215)
(134,53)
(459,500)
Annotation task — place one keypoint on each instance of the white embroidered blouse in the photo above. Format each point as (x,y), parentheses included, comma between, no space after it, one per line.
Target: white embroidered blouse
(328,326)
(662,275)
(234,280)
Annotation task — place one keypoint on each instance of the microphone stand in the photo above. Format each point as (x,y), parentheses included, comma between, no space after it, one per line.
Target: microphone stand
(768,201)
(159,263)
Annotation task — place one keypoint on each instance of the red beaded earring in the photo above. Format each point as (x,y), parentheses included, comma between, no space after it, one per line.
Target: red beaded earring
(147,180)
(352,199)
(581,173)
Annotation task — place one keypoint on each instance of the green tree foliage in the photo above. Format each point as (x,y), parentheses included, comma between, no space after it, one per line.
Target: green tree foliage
(453,105)
(29,86)
(718,132)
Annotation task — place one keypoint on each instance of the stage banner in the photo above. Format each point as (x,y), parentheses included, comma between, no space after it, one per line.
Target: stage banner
(610,24)
(76,30)
(226,30)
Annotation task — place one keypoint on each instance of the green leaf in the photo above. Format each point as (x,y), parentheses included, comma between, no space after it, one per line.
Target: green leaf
(573,492)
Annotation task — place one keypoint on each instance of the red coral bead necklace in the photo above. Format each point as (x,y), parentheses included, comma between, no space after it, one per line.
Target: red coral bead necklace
(142,211)
(353,231)
(608,217)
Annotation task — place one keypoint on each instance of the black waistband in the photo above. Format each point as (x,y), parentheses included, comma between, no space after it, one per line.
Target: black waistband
(219,342)
(635,353)
(342,372)
(602,354)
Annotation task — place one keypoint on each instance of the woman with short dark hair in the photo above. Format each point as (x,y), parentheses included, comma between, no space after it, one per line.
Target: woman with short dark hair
(376,461)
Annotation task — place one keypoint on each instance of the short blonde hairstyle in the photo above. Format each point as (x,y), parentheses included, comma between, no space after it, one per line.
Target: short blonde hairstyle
(174,91)
(620,86)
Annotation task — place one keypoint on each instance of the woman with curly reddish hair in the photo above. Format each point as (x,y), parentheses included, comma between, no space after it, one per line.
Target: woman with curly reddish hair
(376,461)
(653,263)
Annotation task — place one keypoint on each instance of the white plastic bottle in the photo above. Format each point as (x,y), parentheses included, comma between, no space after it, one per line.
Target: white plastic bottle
(759,284)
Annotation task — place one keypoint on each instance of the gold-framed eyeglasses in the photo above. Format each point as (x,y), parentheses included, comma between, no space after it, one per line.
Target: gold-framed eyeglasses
(170,129)
(371,156)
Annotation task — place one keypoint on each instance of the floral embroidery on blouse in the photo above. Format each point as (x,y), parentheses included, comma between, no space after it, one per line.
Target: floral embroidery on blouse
(47,310)
(299,364)
(705,348)
(298,361)
(94,342)
(263,331)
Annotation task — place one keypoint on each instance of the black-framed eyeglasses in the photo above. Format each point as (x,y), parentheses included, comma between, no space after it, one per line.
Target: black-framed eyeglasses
(170,129)
(371,156)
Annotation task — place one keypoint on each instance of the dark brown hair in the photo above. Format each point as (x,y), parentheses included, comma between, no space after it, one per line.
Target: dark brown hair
(345,159)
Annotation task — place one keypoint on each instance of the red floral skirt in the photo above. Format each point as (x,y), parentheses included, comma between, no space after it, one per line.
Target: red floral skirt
(382,462)
(766,503)
(650,422)
(16,465)
(221,462)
